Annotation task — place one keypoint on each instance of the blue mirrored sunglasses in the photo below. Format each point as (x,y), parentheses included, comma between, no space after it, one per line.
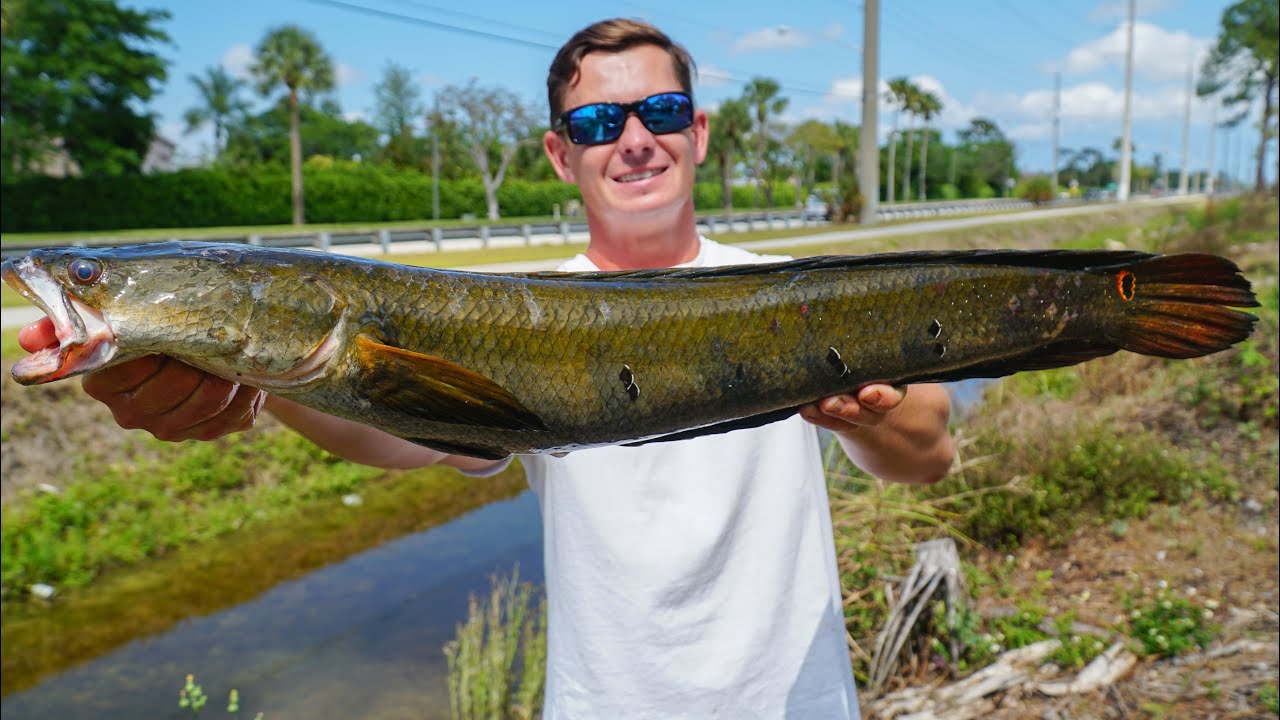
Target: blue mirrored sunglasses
(600,123)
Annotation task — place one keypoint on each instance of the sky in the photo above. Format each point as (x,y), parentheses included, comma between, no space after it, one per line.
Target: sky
(991,58)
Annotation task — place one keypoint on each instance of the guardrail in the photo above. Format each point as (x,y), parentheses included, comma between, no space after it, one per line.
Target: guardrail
(440,239)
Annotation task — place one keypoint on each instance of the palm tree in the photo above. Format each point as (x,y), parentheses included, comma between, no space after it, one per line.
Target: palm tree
(762,96)
(220,103)
(899,92)
(293,57)
(728,129)
(911,106)
(929,106)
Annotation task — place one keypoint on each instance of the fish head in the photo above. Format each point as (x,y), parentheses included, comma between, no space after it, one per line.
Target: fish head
(203,303)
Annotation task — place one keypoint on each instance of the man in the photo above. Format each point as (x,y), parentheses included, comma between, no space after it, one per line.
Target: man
(685,579)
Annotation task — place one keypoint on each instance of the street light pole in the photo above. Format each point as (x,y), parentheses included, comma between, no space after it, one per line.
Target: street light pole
(868,142)
(1122,192)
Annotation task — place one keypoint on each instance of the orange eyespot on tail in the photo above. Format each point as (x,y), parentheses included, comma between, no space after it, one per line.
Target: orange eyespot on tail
(1186,306)
(1126,283)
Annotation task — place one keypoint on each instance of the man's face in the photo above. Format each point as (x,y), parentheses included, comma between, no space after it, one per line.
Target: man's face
(640,173)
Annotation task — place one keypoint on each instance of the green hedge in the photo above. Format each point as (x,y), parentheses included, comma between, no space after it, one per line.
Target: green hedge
(229,197)
(707,196)
(335,193)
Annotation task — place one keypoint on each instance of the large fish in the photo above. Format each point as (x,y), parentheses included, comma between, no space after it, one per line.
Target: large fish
(493,364)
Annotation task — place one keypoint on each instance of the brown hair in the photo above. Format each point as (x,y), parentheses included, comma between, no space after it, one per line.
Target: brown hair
(611,36)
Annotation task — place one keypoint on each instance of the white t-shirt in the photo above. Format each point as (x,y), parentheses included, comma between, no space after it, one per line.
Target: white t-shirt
(693,579)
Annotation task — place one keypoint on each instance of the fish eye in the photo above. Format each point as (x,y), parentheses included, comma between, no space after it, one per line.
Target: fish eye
(84,271)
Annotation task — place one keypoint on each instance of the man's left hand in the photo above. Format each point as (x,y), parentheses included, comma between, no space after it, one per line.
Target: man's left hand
(865,408)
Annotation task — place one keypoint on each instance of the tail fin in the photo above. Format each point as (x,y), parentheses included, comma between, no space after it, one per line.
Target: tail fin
(1182,305)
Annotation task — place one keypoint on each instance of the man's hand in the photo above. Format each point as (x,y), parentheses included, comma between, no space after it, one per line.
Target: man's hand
(167,398)
(891,433)
(843,413)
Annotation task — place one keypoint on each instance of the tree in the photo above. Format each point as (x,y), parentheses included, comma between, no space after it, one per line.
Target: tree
(74,74)
(989,152)
(929,106)
(1244,63)
(911,106)
(809,141)
(846,148)
(293,57)
(397,107)
(263,139)
(494,123)
(220,104)
(761,96)
(899,95)
(728,129)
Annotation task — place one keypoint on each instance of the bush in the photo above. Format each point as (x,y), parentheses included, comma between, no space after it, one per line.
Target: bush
(1038,190)
(336,191)
(1082,472)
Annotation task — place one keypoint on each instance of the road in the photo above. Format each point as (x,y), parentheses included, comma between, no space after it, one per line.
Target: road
(17,317)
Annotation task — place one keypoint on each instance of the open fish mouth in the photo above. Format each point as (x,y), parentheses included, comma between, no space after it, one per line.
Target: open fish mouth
(85,340)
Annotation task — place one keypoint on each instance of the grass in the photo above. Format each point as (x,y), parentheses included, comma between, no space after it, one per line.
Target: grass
(496,661)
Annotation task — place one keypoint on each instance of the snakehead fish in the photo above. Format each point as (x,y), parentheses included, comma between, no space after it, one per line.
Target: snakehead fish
(493,364)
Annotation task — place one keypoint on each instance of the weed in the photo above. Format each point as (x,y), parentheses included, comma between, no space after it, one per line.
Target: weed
(1269,698)
(497,661)
(1084,472)
(1075,650)
(1168,624)
(192,697)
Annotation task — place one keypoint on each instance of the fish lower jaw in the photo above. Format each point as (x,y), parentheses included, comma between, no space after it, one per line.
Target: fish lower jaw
(62,361)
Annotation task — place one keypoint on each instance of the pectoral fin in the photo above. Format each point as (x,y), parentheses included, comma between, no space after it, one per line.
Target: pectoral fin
(434,389)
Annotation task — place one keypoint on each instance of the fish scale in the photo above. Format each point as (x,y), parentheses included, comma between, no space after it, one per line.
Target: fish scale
(490,364)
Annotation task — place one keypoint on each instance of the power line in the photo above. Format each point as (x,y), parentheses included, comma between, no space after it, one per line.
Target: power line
(943,45)
(1030,22)
(458,29)
(955,41)
(549,35)
(729,74)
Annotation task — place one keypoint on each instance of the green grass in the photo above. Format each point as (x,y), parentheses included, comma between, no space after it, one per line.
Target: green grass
(160,499)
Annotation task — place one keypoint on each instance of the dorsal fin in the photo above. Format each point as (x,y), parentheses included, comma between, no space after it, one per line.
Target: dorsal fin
(1047,259)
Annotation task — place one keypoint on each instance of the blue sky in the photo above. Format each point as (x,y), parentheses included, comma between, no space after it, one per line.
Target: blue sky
(993,58)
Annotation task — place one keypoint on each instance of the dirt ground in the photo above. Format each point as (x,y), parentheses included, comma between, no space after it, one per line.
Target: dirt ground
(1220,556)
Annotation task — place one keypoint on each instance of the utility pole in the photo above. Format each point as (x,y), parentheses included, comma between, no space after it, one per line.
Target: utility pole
(1122,192)
(1213,131)
(435,161)
(1186,138)
(869,143)
(1057,111)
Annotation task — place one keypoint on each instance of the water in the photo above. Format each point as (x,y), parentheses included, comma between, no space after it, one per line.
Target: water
(361,638)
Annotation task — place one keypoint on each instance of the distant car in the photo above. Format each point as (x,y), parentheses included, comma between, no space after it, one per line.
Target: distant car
(815,208)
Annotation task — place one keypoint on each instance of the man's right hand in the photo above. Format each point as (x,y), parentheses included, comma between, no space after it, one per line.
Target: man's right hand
(167,398)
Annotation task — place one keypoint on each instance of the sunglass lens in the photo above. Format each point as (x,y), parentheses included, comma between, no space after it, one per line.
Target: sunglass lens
(666,113)
(596,124)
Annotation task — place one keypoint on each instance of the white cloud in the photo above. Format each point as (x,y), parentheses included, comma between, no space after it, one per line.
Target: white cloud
(237,59)
(1093,102)
(955,114)
(834,31)
(771,38)
(1158,54)
(712,76)
(1029,132)
(355,116)
(344,74)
